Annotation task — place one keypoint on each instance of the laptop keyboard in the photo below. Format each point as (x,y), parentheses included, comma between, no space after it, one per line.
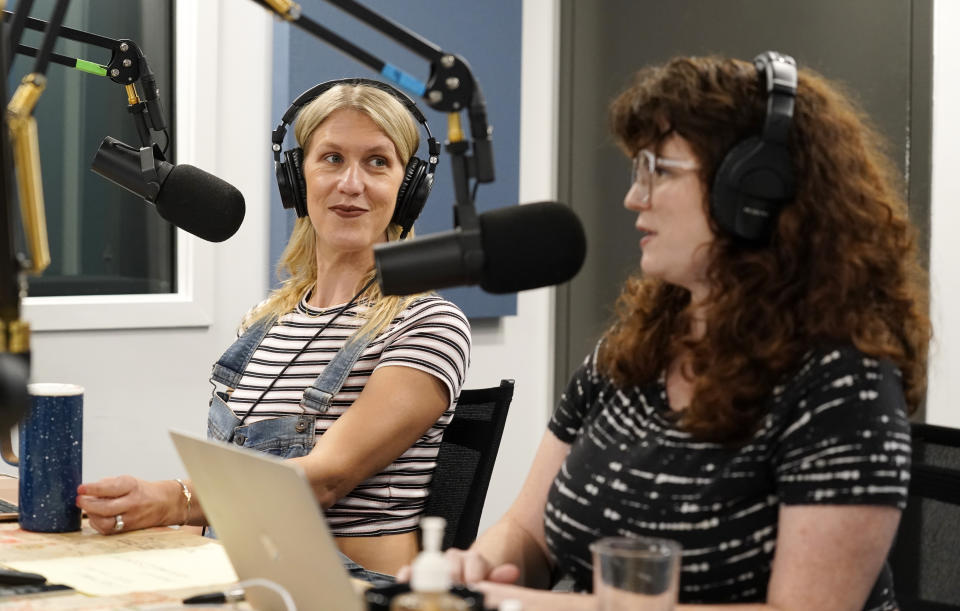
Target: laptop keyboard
(28,588)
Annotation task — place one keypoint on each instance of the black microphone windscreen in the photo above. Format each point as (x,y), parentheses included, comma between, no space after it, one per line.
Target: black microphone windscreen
(530,246)
(200,203)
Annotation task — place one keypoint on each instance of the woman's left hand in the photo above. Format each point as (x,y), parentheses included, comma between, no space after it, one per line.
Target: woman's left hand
(534,600)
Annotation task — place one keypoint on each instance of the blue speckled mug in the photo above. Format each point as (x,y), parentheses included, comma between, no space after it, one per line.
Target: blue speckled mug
(51,457)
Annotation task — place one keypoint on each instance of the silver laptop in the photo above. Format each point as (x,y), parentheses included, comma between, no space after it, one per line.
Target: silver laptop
(267,518)
(8,498)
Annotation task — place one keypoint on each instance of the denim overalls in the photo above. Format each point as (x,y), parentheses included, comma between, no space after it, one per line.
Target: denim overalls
(285,436)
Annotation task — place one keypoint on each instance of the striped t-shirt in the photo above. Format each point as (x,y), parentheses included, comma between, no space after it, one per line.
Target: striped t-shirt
(431,335)
(835,433)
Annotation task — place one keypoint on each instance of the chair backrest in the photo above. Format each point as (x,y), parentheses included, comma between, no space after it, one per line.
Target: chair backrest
(465,461)
(925,558)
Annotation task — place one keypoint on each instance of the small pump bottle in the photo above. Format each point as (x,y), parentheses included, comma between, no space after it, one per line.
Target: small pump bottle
(430,582)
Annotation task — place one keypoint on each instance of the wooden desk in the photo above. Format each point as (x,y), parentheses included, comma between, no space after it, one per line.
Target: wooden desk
(88,546)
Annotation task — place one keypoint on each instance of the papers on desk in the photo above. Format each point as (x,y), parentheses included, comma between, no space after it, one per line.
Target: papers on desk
(142,571)
(141,561)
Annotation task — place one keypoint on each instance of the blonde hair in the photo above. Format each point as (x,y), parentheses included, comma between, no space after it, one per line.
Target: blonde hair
(298,263)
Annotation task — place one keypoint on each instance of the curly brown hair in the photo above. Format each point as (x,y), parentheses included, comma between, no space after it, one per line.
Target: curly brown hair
(842,265)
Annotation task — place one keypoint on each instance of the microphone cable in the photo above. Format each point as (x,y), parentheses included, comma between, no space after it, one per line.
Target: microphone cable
(403,234)
(306,345)
(166,143)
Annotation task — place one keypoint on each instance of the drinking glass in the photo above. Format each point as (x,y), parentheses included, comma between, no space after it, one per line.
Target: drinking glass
(635,573)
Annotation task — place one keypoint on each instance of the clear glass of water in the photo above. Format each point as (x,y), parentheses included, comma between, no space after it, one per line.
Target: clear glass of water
(635,573)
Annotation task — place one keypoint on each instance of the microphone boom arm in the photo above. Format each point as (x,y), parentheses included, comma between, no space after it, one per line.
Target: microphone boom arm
(127,66)
(125,72)
(450,88)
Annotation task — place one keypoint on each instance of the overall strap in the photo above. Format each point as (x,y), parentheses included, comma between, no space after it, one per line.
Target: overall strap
(230,366)
(318,395)
(354,346)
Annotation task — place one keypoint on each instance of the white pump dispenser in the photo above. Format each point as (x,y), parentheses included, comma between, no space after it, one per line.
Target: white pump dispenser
(431,575)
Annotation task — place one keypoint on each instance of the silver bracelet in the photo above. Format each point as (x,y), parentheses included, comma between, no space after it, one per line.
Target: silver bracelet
(187,495)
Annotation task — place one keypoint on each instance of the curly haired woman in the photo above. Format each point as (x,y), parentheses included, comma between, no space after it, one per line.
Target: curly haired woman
(750,400)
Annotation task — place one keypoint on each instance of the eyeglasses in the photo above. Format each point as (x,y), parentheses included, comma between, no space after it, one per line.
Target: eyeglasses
(647,167)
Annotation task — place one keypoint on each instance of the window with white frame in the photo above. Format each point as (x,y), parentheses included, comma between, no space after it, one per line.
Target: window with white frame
(103,239)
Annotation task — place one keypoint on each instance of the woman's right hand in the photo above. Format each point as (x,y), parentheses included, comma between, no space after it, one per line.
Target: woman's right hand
(138,503)
(469,567)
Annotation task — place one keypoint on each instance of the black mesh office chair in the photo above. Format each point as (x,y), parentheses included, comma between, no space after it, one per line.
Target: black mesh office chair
(465,461)
(925,558)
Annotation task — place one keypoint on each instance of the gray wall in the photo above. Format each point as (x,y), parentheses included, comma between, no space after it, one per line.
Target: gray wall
(880,49)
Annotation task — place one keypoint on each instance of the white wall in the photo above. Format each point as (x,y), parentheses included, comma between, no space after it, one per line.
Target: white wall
(944,389)
(521,347)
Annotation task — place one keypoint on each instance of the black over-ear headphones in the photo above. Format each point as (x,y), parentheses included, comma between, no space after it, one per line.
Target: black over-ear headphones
(417,178)
(756,180)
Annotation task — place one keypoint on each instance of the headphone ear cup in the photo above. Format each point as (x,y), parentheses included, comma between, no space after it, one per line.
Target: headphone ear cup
(283,185)
(296,186)
(752,184)
(413,193)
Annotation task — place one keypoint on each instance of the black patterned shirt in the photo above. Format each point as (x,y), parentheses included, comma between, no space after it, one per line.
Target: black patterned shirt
(835,432)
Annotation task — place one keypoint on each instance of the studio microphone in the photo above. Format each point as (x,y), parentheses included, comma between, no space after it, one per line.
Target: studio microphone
(193,200)
(519,248)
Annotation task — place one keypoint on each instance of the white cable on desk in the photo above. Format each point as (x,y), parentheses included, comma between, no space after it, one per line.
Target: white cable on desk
(271,585)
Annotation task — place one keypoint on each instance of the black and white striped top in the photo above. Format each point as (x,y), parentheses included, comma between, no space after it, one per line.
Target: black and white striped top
(430,335)
(836,433)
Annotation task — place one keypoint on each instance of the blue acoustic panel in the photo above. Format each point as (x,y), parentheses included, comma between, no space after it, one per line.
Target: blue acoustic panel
(486,34)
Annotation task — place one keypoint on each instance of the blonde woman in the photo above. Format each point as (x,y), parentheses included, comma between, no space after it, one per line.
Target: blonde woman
(355,386)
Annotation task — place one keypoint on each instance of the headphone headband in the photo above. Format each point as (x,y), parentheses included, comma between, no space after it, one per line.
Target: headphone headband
(778,74)
(433,146)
